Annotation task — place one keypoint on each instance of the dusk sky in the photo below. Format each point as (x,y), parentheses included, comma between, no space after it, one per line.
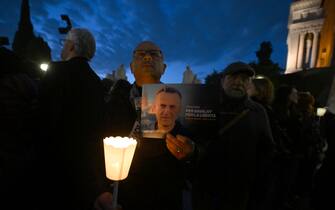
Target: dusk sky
(205,35)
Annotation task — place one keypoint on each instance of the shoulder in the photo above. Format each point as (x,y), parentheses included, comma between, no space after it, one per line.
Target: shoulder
(77,61)
(56,68)
(122,85)
(121,88)
(70,67)
(254,106)
(56,75)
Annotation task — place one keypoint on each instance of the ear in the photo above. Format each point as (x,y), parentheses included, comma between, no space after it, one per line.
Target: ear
(164,67)
(222,81)
(72,46)
(131,67)
(248,83)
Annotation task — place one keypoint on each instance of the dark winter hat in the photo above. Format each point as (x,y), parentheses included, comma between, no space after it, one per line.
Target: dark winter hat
(238,67)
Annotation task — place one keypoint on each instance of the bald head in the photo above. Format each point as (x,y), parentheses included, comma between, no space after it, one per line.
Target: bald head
(148,63)
(147,45)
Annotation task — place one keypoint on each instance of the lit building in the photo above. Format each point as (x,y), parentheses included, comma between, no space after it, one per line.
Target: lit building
(311,35)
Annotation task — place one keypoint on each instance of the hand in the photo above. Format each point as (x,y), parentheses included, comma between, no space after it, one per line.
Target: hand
(180,146)
(105,202)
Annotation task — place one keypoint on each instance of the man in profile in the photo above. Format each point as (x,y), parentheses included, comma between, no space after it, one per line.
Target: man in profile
(71,101)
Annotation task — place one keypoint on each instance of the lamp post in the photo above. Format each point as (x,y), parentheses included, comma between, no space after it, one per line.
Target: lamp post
(119,152)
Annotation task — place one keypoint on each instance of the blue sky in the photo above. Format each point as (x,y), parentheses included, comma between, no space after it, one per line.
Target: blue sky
(204,34)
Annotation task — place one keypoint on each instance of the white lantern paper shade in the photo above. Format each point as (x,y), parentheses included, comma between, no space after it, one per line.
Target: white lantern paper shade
(320,111)
(119,152)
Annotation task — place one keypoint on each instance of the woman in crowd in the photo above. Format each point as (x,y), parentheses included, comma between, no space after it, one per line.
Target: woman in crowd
(309,146)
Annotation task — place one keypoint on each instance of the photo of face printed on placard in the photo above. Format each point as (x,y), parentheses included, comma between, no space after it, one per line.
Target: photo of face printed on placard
(177,108)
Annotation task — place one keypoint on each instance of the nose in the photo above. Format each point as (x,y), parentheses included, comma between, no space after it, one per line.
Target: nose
(238,80)
(166,111)
(147,57)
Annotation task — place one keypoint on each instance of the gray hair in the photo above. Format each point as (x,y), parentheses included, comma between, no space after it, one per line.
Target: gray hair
(84,42)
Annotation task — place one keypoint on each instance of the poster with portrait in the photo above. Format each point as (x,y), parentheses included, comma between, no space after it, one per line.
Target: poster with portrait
(167,107)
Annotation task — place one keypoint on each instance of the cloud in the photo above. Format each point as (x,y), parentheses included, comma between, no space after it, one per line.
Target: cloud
(9,13)
(205,35)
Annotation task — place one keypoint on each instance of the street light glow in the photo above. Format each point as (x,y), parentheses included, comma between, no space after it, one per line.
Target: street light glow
(44,66)
(259,77)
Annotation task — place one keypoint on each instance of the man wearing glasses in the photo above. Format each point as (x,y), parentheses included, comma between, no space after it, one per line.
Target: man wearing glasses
(156,177)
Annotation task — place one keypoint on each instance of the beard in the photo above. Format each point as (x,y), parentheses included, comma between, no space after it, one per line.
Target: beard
(236,93)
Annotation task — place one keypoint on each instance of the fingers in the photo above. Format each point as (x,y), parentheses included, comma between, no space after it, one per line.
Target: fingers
(104,201)
(173,146)
(175,141)
(180,146)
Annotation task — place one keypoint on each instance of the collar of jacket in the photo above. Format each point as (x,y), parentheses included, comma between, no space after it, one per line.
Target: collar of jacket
(78,58)
(135,91)
(230,104)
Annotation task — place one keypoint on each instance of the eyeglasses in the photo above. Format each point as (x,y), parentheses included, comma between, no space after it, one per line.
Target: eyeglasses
(155,54)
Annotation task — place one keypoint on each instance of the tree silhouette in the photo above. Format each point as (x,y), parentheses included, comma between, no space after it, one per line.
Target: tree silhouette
(213,79)
(265,66)
(264,53)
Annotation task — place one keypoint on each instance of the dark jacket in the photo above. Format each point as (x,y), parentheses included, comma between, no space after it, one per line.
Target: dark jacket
(71,148)
(18,124)
(18,132)
(323,196)
(237,159)
(156,177)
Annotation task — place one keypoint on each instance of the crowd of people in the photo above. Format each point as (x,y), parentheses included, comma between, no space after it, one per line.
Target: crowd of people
(270,152)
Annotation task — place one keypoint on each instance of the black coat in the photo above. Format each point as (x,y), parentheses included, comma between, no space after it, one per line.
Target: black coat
(323,195)
(237,159)
(156,178)
(71,147)
(18,131)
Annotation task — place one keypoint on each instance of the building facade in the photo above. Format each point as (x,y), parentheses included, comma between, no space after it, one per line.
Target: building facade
(311,34)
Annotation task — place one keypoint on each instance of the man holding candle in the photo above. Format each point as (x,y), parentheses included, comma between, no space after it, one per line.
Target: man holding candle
(157,175)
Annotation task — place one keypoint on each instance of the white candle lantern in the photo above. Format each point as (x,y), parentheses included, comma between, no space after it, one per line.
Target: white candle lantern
(119,152)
